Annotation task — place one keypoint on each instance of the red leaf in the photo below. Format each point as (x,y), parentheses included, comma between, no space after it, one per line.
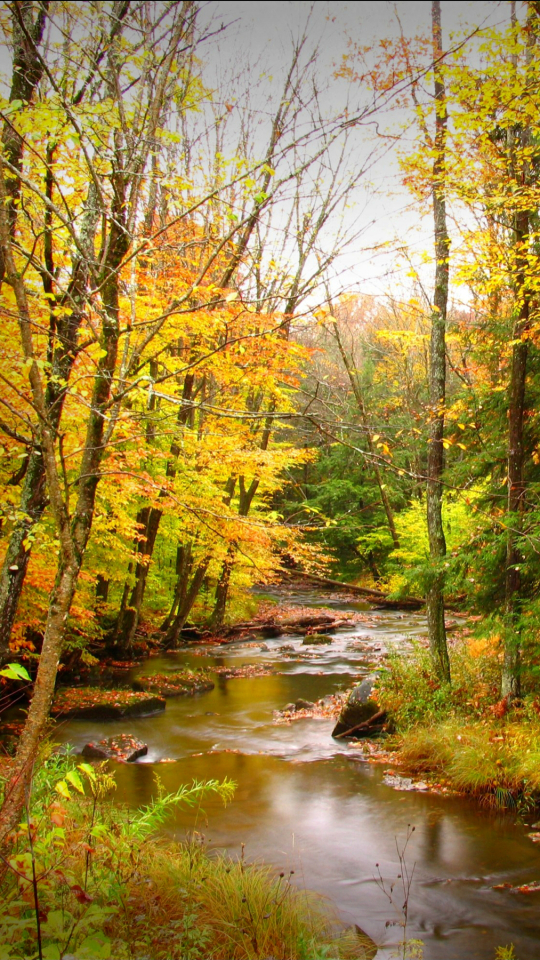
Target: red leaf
(81,894)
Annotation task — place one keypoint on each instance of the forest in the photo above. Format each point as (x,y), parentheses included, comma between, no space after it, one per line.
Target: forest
(203,403)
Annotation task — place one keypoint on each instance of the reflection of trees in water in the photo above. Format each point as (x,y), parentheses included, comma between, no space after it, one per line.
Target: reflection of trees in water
(433,837)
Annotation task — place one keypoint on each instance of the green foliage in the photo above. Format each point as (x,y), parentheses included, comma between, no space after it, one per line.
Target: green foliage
(15,671)
(411,691)
(506,953)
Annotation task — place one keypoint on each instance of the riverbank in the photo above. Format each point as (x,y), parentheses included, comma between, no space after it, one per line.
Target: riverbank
(464,736)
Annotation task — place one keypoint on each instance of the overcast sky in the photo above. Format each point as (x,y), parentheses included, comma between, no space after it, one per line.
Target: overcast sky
(264,29)
(262,32)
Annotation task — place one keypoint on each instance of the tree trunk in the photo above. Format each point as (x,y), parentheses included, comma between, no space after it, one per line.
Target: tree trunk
(511,682)
(222,588)
(521,174)
(26,74)
(184,563)
(186,603)
(32,505)
(148,521)
(73,537)
(32,734)
(437,373)
(246,497)
(73,532)
(369,438)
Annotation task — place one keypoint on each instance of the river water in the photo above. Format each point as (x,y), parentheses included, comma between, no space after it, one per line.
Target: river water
(308,803)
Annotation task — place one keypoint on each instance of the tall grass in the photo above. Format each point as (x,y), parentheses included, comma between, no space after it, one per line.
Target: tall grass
(462,734)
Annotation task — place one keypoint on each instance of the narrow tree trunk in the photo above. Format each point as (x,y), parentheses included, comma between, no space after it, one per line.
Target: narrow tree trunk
(186,604)
(73,537)
(26,74)
(246,497)
(102,589)
(184,563)
(437,373)
(63,334)
(73,533)
(148,521)
(32,505)
(369,438)
(511,685)
(32,733)
(222,588)
(522,174)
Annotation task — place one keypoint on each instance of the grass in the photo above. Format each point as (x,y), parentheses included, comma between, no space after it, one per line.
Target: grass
(463,735)
(88,879)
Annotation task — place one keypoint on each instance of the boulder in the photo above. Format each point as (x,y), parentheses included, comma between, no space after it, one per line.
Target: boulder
(359,708)
(92,703)
(317,639)
(123,747)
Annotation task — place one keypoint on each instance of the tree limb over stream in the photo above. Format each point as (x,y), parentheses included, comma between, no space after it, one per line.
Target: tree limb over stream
(375,596)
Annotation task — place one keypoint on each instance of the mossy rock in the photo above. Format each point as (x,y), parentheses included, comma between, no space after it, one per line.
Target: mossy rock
(359,708)
(181,684)
(317,640)
(92,703)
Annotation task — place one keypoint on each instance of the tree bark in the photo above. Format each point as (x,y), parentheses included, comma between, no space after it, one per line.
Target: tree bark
(521,175)
(63,336)
(437,372)
(73,537)
(190,594)
(148,521)
(26,74)
(73,532)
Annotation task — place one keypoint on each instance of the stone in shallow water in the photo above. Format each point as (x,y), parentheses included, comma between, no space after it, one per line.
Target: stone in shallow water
(317,639)
(304,704)
(122,747)
(297,705)
(358,709)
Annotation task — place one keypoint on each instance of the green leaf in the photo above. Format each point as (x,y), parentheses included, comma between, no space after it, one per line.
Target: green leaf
(96,947)
(75,780)
(62,788)
(88,769)
(14,671)
(13,107)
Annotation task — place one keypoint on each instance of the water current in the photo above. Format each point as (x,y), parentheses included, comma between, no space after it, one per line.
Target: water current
(307,803)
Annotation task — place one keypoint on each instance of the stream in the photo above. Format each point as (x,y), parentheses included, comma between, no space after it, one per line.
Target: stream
(307,803)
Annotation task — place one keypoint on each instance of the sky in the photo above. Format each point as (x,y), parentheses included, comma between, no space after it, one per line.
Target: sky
(382,207)
(380,210)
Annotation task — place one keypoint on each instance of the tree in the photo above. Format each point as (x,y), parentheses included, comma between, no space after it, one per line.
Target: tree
(437,368)
(112,157)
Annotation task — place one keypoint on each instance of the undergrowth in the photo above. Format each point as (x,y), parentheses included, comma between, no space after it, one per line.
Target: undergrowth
(87,879)
(462,733)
